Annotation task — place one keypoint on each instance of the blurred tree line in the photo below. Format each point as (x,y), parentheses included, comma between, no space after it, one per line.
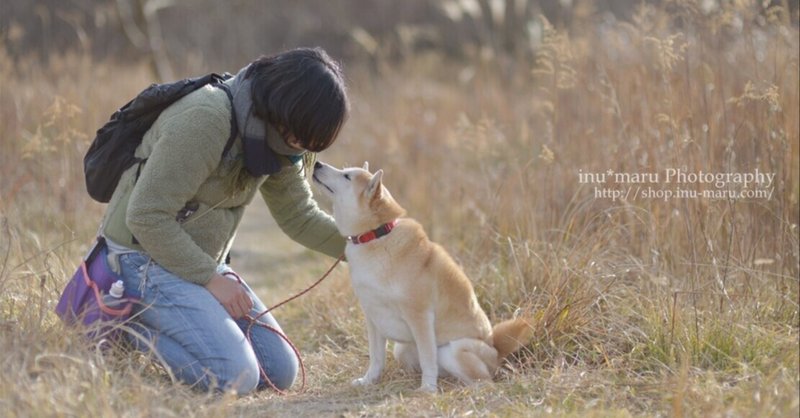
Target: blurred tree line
(188,34)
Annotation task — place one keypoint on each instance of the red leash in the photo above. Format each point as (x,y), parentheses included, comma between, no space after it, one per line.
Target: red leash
(254,321)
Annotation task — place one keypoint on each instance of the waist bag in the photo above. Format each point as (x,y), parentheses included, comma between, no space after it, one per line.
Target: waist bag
(81,302)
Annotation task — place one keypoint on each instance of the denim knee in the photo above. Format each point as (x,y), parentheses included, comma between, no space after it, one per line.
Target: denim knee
(282,373)
(241,376)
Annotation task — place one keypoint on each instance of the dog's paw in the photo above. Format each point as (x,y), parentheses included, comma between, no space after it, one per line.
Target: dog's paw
(363,381)
(427,388)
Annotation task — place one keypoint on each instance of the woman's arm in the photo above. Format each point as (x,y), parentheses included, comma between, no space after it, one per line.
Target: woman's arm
(289,198)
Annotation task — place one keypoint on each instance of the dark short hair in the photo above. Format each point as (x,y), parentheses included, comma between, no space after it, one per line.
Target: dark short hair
(303,91)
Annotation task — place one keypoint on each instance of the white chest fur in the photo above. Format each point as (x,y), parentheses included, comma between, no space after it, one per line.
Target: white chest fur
(378,292)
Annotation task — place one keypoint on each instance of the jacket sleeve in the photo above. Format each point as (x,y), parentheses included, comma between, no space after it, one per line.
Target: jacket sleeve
(186,153)
(290,201)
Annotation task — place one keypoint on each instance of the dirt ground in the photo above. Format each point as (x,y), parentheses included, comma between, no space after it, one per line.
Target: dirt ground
(262,253)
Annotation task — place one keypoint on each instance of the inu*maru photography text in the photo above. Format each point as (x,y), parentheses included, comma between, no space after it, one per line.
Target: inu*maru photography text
(678,176)
(679,184)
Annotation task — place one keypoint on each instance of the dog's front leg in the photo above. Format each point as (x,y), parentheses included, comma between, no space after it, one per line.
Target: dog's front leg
(422,327)
(377,356)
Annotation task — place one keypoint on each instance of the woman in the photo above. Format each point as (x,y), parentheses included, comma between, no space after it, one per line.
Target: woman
(171,222)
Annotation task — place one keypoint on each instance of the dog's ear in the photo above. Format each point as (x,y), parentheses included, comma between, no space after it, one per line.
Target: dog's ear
(366,166)
(373,190)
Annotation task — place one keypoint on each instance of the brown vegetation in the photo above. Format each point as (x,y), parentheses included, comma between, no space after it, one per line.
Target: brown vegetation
(643,306)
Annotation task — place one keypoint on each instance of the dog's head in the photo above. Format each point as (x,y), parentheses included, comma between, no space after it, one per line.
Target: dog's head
(360,201)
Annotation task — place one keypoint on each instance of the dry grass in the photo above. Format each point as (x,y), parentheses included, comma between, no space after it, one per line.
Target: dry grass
(683,307)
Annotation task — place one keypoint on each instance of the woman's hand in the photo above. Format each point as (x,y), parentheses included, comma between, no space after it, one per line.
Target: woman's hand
(231,295)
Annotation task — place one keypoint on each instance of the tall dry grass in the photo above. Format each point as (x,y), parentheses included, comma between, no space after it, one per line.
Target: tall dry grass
(641,306)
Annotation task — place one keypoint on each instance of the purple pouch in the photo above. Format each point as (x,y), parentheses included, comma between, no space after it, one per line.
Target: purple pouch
(82,299)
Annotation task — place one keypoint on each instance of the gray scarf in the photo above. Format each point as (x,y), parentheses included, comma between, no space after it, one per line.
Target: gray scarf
(251,126)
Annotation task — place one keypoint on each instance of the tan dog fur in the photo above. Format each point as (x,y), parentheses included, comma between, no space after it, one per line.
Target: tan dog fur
(411,290)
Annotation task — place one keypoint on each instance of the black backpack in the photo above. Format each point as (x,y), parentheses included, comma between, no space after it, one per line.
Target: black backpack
(112,150)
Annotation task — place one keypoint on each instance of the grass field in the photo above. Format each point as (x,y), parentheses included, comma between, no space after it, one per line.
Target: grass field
(540,181)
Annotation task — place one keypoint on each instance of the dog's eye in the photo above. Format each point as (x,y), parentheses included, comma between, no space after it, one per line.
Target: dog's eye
(347,176)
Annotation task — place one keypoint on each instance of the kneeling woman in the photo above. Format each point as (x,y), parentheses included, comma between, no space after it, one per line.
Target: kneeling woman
(171,221)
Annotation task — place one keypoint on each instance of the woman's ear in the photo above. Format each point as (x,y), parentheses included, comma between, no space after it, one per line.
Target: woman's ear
(293,142)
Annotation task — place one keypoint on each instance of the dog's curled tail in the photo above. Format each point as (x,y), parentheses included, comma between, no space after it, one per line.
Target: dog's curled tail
(511,335)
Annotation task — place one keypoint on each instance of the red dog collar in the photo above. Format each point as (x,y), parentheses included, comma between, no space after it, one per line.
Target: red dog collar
(376,233)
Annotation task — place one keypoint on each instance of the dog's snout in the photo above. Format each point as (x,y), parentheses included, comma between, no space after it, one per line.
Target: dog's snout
(317,165)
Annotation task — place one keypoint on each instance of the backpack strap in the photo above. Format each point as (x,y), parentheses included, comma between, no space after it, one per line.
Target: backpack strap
(234,125)
(234,130)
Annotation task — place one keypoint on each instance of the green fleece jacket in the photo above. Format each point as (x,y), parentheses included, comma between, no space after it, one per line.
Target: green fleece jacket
(183,150)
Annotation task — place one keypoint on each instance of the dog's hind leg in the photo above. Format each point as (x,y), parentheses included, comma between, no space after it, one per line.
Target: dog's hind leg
(469,360)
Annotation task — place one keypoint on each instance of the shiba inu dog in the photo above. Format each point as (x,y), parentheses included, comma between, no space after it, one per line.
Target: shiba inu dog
(410,289)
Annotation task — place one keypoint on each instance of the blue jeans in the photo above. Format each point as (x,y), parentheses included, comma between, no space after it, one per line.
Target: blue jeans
(196,338)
